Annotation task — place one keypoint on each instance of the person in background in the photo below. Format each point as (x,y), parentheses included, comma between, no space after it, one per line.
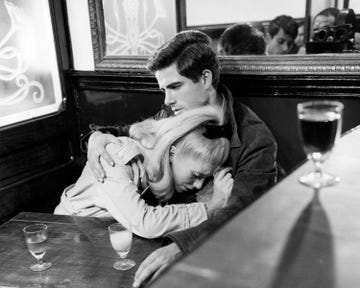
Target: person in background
(259,27)
(177,156)
(357,41)
(299,43)
(283,31)
(241,39)
(187,71)
(326,17)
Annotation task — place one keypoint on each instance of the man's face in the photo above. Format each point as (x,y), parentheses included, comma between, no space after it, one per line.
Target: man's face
(181,93)
(299,40)
(280,43)
(321,21)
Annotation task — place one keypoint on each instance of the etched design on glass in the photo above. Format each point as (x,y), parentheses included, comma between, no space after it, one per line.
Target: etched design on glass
(29,75)
(13,72)
(132,26)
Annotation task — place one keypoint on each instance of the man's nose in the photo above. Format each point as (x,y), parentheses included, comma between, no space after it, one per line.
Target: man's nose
(198,183)
(285,47)
(168,98)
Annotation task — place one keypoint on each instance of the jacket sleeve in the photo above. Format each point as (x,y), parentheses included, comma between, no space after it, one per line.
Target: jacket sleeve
(254,166)
(120,197)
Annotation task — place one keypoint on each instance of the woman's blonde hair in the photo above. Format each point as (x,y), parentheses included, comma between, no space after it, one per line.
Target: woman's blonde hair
(185,132)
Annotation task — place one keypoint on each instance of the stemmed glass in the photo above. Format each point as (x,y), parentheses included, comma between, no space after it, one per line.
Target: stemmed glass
(121,238)
(320,126)
(35,237)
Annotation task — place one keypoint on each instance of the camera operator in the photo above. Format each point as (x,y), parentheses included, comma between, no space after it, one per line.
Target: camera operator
(333,32)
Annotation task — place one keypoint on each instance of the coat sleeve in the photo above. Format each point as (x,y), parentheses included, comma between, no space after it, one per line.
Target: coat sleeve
(120,197)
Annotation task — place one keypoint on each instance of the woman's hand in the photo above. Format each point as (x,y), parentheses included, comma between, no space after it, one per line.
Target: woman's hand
(223,184)
(96,149)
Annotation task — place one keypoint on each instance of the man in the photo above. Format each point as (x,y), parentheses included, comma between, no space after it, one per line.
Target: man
(283,30)
(187,71)
(326,17)
(241,39)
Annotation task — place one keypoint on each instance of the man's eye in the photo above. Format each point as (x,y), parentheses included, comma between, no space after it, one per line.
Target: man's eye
(175,87)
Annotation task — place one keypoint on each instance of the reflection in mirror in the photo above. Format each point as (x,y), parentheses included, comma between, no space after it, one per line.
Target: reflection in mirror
(334,31)
(282,34)
(277,21)
(137,27)
(125,33)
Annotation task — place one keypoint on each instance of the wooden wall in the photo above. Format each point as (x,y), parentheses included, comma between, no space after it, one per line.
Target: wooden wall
(110,98)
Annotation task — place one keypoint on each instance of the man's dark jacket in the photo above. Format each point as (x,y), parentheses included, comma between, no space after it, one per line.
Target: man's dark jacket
(253,160)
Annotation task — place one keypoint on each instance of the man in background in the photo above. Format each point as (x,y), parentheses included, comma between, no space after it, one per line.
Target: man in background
(326,17)
(241,39)
(282,30)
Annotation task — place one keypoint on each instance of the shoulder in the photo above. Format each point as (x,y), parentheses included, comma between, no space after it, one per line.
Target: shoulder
(250,128)
(253,132)
(124,152)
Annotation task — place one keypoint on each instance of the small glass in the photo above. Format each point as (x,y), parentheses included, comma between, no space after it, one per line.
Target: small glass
(320,125)
(121,238)
(36,237)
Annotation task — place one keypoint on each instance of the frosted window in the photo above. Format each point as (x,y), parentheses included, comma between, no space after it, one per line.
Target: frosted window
(29,79)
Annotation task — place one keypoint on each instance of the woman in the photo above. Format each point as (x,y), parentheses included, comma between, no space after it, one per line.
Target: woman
(176,156)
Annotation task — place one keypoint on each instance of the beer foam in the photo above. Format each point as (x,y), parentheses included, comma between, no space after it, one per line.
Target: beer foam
(320,116)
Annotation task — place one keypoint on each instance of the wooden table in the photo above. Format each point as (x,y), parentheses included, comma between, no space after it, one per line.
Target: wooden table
(79,250)
(291,237)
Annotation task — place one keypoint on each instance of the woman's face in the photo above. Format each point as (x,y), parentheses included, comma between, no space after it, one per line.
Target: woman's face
(189,173)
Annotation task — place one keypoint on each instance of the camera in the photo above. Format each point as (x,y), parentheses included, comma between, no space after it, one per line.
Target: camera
(336,39)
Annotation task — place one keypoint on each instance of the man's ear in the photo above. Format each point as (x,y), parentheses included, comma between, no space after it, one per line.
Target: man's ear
(172,153)
(207,77)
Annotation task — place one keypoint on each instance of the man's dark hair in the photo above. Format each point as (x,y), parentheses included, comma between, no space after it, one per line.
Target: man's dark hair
(331,11)
(287,23)
(192,53)
(241,39)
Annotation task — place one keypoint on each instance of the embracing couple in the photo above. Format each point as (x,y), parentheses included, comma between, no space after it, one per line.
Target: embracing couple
(200,140)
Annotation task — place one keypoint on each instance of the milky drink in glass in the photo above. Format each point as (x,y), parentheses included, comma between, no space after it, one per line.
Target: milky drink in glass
(120,239)
(121,242)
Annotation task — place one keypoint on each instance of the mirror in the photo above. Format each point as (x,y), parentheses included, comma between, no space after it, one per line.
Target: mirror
(149,23)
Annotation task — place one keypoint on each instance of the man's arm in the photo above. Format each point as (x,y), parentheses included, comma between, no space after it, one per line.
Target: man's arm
(254,163)
(94,144)
(254,166)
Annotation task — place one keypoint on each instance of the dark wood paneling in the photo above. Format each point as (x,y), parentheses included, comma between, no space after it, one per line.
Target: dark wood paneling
(274,99)
(111,98)
(38,193)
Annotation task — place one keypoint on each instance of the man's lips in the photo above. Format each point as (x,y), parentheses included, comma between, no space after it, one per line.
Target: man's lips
(176,110)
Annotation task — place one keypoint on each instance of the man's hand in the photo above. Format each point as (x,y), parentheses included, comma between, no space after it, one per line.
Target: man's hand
(96,149)
(156,262)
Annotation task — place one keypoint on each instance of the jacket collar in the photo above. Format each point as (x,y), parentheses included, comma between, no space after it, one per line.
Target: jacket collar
(225,93)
